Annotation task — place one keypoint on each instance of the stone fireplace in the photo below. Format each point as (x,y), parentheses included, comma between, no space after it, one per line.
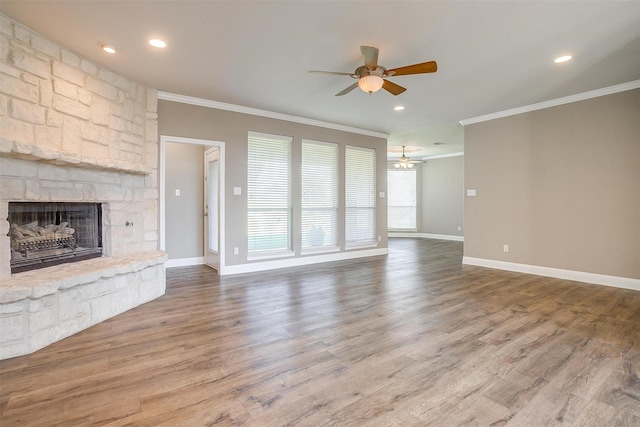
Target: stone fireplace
(74,137)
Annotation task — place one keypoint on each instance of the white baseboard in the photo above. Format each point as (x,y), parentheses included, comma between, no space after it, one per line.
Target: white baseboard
(580,276)
(184,262)
(427,236)
(300,261)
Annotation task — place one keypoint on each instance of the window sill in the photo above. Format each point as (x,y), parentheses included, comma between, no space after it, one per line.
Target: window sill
(361,246)
(320,250)
(270,255)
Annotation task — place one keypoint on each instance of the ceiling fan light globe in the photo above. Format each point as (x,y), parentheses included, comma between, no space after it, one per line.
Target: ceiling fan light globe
(370,83)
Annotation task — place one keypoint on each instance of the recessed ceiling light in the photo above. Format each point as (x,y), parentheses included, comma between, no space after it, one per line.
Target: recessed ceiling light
(108,48)
(561,59)
(157,43)
(398,108)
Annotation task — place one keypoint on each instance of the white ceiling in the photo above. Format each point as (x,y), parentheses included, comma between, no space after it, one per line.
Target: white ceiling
(492,55)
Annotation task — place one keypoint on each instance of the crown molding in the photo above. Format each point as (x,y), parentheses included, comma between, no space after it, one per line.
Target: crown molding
(554,102)
(431,157)
(443,156)
(166,96)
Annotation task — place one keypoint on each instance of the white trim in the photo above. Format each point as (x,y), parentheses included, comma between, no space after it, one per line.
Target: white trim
(554,102)
(184,262)
(164,139)
(357,246)
(220,202)
(297,262)
(442,156)
(427,236)
(166,96)
(579,276)
(259,255)
(161,194)
(311,250)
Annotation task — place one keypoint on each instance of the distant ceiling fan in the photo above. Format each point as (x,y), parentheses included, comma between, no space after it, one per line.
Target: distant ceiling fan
(371,76)
(404,162)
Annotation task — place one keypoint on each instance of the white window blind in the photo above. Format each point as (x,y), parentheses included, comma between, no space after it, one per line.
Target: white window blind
(269,193)
(360,196)
(401,187)
(319,194)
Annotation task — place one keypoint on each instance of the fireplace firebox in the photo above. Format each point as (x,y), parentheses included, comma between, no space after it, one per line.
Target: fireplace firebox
(45,234)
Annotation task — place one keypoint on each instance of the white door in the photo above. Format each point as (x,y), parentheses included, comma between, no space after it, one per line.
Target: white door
(212,207)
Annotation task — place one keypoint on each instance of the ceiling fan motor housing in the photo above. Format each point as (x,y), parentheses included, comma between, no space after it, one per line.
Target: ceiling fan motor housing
(363,71)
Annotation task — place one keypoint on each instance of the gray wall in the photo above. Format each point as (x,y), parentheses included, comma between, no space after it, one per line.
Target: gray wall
(183,120)
(441,189)
(184,171)
(560,186)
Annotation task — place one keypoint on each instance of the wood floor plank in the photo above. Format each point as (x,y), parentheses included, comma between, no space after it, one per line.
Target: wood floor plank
(414,338)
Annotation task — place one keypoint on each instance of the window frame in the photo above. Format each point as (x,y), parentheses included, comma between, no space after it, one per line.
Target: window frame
(331,205)
(391,191)
(263,197)
(363,202)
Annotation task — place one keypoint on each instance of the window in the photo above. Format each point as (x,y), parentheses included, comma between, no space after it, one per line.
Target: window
(360,196)
(319,194)
(269,193)
(401,187)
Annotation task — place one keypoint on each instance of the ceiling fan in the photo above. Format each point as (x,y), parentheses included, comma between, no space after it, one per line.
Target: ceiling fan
(404,162)
(371,76)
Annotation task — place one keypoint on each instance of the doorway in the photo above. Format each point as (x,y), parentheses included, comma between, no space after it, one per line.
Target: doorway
(208,210)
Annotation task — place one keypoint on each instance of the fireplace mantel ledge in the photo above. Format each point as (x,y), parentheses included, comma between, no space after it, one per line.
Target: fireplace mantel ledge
(46,281)
(25,151)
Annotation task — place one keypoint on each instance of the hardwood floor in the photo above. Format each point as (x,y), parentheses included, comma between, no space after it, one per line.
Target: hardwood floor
(411,339)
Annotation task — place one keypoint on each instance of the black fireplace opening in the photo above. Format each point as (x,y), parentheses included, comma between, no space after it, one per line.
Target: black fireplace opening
(51,233)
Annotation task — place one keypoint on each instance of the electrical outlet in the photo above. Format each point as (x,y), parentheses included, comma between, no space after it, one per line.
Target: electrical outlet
(505,248)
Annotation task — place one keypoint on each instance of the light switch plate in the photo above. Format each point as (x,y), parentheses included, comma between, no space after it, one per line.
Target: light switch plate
(471,192)
(237,191)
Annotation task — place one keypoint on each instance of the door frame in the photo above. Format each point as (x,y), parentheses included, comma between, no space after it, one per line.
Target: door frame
(207,207)
(164,139)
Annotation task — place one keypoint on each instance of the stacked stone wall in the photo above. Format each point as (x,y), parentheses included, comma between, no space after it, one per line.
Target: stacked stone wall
(55,104)
(73,130)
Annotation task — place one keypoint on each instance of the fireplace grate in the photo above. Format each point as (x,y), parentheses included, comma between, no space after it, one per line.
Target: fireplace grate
(34,244)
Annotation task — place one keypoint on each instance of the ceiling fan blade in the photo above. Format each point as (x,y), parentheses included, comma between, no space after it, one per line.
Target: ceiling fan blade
(369,56)
(392,88)
(347,90)
(336,73)
(424,67)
